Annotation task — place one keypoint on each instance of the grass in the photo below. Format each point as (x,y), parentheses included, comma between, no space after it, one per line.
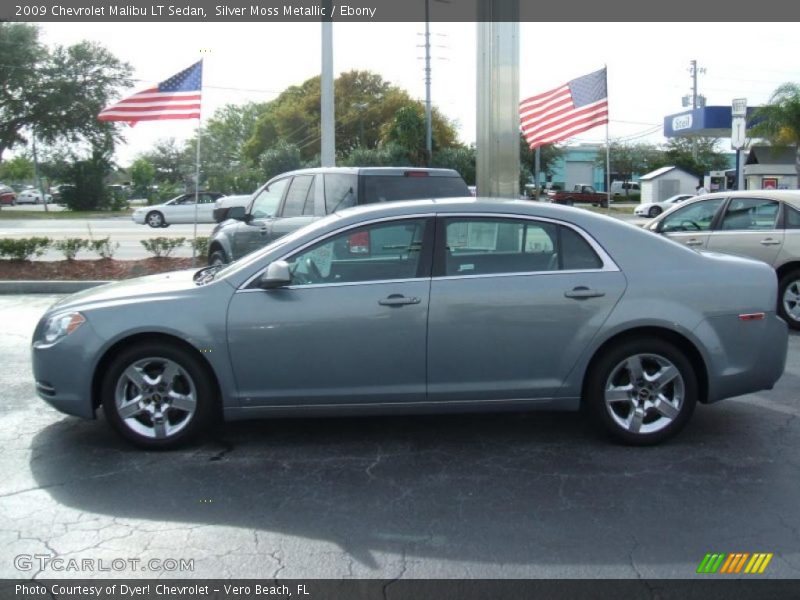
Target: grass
(627,210)
(63,214)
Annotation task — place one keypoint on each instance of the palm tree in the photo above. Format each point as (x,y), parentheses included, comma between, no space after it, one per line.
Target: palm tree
(779,121)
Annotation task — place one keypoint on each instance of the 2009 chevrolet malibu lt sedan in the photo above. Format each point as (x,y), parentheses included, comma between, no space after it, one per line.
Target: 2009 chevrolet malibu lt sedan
(424,306)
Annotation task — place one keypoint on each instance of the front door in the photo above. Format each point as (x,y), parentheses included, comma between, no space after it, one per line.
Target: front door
(748,228)
(351,327)
(691,225)
(254,234)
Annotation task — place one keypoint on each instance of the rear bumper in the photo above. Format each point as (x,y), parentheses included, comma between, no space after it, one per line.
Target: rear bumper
(746,357)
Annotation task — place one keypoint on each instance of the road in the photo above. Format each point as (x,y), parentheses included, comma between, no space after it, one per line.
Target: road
(496,496)
(126,232)
(120,229)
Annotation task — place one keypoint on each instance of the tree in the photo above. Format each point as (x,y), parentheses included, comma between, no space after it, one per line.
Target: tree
(365,106)
(279,159)
(779,121)
(461,158)
(19,168)
(628,160)
(549,155)
(55,94)
(143,177)
(680,152)
(173,164)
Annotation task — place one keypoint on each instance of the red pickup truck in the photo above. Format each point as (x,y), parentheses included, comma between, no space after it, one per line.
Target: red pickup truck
(580,194)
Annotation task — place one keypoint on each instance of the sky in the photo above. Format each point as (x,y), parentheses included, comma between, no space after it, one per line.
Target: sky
(648,64)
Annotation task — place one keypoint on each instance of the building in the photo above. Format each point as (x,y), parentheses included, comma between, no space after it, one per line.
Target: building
(767,167)
(580,164)
(662,183)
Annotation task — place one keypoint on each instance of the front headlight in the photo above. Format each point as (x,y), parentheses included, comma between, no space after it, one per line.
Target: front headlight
(62,325)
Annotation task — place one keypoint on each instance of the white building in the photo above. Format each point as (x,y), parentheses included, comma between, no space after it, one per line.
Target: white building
(662,183)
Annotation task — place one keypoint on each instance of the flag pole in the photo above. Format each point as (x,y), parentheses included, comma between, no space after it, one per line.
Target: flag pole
(608,149)
(196,194)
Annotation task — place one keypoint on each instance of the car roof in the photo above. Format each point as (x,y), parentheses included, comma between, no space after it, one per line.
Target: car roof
(390,171)
(792,196)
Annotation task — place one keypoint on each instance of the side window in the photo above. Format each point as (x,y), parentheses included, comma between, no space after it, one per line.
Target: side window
(752,214)
(383,251)
(185,200)
(792,217)
(340,191)
(266,203)
(695,217)
(297,195)
(490,246)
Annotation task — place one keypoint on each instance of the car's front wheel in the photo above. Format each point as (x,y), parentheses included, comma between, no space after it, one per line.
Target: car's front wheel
(157,395)
(217,258)
(155,219)
(642,391)
(654,212)
(789,299)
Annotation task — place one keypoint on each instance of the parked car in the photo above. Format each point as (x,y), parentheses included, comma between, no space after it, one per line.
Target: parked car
(653,209)
(7,195)
(761,224)
(623,188)
(223,205)
(417,307)
(180,209)
(291,200)
(579,194)
(33,196)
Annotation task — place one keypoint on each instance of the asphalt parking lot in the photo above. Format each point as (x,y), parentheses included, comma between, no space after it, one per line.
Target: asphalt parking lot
(499,496)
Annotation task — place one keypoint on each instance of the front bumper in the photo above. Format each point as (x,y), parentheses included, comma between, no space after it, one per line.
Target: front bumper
(138,218)
(63,370)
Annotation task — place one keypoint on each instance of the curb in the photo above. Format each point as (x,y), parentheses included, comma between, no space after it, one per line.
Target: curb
(46,286)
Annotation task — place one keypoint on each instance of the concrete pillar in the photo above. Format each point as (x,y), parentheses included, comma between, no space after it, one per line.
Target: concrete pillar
(497,134)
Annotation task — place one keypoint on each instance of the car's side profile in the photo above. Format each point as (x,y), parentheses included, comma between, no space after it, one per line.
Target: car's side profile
(181,209)
(426,306)
(653,209)
(760,224)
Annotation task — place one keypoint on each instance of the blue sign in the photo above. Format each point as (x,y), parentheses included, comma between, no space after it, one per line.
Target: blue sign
(712,121)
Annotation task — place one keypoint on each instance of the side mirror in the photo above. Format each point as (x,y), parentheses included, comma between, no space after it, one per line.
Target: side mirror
(239,213)
(277,275)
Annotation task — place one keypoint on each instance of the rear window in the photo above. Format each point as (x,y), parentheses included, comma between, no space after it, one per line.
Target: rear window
(387,188)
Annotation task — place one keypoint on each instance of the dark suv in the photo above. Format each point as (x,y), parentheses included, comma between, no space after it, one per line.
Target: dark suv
(291,200)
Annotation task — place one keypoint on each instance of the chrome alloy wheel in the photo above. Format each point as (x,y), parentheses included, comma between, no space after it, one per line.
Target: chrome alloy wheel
(155,397)
(791,300)
(644,393)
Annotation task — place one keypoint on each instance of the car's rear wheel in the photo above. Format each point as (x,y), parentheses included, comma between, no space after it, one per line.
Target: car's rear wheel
(217,258)
(642,391)
(789,299)
(654,212)
(157,396)
(155,219)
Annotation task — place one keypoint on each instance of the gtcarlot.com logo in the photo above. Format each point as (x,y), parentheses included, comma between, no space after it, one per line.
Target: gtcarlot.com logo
(738,562)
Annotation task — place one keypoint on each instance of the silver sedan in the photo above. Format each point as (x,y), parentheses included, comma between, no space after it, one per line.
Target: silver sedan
(416,307)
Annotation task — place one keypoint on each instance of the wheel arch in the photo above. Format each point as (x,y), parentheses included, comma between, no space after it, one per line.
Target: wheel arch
(787,267)
(110,354)
(668,335)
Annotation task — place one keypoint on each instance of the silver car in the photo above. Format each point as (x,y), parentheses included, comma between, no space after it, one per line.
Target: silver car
(760,224)
(416,307)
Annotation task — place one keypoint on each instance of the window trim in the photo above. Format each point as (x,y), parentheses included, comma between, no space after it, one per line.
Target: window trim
(439,251)
(425,257)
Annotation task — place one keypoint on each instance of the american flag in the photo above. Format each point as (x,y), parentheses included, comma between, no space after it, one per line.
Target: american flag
(175,98)
(565,111)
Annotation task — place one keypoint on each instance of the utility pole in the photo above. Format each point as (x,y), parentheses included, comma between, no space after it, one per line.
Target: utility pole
(697,100)
(428,136)
(328,123)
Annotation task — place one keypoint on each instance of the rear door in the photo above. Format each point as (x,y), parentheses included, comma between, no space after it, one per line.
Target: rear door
(748,227)
(691,225)
(514,302)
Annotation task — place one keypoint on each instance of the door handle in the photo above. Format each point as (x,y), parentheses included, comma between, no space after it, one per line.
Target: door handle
(582,293)
(264,230)
(770,242)
(694,242)
(398,300)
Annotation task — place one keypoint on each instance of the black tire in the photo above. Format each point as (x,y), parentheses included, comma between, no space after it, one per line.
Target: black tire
(36,201)
(654,212)
(155,219)
(217,258)
(192,366)
(569,202)
(790,282)
(608,366)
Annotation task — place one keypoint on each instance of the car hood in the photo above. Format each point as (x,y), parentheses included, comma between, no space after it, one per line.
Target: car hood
(140,289)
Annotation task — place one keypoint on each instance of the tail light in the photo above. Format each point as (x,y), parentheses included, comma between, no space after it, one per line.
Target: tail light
(416,173)
(359,243)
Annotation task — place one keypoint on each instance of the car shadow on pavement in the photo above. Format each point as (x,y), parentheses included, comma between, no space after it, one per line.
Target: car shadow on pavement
(499,488)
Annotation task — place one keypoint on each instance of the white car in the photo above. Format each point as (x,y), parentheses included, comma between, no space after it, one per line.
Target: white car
(31,196)
(180,209)
(653,209)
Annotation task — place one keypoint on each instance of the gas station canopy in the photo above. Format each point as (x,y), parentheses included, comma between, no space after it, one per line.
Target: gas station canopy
(710,121)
